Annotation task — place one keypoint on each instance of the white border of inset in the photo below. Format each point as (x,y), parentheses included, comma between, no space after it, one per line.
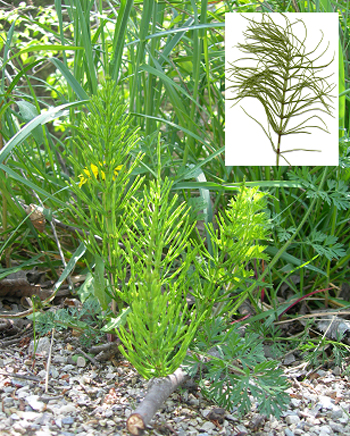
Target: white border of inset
(245,142)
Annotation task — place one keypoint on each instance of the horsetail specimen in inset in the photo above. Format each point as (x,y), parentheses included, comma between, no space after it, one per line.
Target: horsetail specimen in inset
(284,79)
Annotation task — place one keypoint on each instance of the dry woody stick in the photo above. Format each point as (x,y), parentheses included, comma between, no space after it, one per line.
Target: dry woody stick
(159,391)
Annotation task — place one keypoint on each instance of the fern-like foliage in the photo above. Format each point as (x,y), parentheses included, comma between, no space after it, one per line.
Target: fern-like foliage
(336,192)
(284,80)
(234,371)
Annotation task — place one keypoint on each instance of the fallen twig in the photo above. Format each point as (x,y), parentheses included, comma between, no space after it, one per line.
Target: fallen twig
(92,360)
(25,377)
(158,392)
(49,362)
(105,351)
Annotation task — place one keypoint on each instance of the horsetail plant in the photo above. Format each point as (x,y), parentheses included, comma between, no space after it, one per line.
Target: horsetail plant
(284,79)
(104,185)
(160,326)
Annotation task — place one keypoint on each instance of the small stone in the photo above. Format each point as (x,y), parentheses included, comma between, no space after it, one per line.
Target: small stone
(108,413)
(207,426)
(337,371)
(242,431)
(35,403)
(295,403)
(217,414)
(59,359)
(337,428)
(67,420)
(288,432)
(344,419)
(41,346)
(325,402)
(68,368)
(230,417)
(194,402)
(18,428)
(53,372)
(8,389)
(289,359)
(337,414)
(312,422)
(325,430)
(42,374)
(28,416)
(44,432)
(67,408)
(292,419)
(81,362)
(110,375)
(315,410)
(22,392)
(205,412)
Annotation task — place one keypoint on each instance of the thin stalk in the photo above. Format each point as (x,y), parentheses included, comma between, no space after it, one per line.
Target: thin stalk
(283,101)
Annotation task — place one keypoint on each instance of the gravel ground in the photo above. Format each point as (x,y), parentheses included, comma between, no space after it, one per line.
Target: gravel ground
(83,399)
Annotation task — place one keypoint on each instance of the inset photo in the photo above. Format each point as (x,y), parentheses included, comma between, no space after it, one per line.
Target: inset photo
(281,89)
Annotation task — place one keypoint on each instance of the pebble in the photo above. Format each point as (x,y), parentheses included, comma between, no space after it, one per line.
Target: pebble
(326,402)
(67,408)
(41,346)
(325,430)
(292,419)
(28,416)
(35,403)
(345,418)
(67,421)
(8,389)
(81,362)
(336,413)
(53,372)
(67,368)
(336,427)
(337,371)
(295,403)
(207,426)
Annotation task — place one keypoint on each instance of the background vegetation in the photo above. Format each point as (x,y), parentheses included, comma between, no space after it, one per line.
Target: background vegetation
(167,58)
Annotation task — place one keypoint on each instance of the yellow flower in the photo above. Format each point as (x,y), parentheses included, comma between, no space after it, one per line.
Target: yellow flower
(84,177)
